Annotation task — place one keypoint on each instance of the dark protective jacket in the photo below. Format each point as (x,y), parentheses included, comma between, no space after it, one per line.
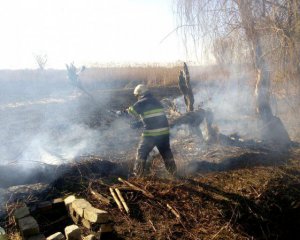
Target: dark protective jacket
(152,114)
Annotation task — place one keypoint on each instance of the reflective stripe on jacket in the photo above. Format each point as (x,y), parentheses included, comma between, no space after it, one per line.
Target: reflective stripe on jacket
(151,112)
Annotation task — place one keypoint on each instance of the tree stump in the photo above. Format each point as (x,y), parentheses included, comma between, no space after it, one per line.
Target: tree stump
(185,88)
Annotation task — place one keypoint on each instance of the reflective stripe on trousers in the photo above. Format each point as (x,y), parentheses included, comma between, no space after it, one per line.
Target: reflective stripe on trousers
(156,132)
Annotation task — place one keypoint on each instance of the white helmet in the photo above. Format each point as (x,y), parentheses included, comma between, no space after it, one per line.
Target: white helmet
(140,90)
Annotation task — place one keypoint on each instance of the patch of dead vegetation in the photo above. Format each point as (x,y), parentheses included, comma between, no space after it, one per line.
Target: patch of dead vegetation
(261,202)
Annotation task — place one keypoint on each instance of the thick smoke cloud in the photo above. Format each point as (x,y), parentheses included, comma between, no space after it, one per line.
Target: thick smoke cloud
(42,127)
(56,128)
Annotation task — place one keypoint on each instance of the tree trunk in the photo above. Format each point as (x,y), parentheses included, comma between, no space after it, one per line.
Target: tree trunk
(272,129)
(186,89)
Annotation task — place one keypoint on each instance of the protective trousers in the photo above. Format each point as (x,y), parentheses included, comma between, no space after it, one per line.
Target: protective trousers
(145,147)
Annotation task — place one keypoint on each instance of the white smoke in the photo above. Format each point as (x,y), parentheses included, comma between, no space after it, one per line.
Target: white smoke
(54,128)
(231,101)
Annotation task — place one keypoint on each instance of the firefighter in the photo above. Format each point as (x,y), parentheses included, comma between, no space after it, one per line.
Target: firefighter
(156,130)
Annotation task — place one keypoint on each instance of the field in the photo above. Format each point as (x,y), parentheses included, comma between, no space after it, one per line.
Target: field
(58,141)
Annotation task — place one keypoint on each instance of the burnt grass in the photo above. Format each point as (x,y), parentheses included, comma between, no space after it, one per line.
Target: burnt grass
(225,192)
(242,201)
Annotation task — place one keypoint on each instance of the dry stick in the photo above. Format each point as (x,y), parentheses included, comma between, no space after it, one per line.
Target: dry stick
(226,225)
(146,193)
(122,200)
(100,197)
(173,211)
(116,199)
(125,188)
(152,225)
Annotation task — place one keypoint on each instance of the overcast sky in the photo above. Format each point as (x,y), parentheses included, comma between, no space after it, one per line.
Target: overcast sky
(87,32)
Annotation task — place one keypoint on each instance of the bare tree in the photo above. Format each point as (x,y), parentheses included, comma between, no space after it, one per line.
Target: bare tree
(223,51)
(41,60)
(251,21)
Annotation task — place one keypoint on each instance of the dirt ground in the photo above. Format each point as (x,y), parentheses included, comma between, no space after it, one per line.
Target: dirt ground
(249,198)
(227,191)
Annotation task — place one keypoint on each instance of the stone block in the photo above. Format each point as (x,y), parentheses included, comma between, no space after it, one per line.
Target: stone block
(86,223)
(95,227)
(72,232)
(58,203)
(90,237)
(69,200)
(56,236)
(74,216)
(79,205)
(95,215)
(44,206)
(37,237)
(28,226)
(21,213)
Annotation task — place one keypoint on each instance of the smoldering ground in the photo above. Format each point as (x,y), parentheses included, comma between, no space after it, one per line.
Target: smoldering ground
(232,101)
(65,124)
(56,128)
(233,108)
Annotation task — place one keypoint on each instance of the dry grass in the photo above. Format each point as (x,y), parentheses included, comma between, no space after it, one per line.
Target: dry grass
(250,203)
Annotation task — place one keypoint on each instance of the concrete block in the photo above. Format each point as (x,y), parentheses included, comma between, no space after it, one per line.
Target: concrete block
(69,200)
(74,216)
(86,223)
(72,232)
(44,206)
(28,226)
(21,212)
(95,227)
(37,237)
(95,215)
(56,236)
(90,237)
(58,203)
(79,205)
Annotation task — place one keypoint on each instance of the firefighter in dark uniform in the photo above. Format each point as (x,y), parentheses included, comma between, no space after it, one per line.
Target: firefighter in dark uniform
(156,130)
